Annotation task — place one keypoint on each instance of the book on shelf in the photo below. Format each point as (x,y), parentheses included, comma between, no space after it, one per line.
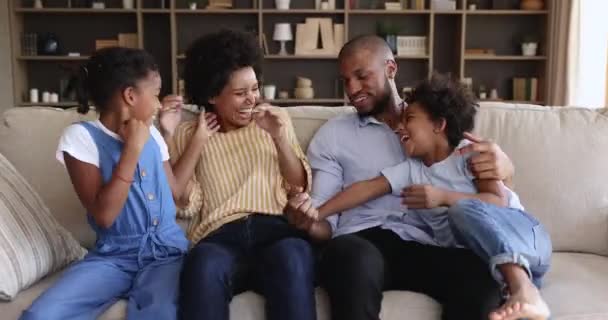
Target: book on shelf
(525,89)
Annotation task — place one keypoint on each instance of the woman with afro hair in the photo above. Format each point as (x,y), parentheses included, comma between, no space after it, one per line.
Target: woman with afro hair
(250,161)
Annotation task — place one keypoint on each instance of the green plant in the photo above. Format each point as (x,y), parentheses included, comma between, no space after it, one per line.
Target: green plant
(530,38)
(387,28)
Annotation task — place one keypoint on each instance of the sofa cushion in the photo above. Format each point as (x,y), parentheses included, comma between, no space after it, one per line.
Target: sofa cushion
(576,288)
(32,243)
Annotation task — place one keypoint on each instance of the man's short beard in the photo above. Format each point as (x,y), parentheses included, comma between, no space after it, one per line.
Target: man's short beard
(382,104)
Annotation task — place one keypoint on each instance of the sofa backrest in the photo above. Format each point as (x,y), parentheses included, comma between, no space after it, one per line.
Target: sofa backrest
(560,156)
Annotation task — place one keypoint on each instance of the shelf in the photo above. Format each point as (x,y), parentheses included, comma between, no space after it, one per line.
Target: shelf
(388,12)
(150,10)
(505,58)
(300,57)
(65,104)
(217,11)
(75,10)
(513,101)
(52,58)
(167,31)
(312,101)
(442,12)
(419,57)
(507,12)
(302,11)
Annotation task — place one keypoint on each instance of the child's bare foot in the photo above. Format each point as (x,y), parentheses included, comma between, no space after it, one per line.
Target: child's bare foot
(525,303)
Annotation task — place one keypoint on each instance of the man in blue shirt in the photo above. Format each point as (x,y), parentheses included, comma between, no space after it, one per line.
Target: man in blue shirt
(375,247)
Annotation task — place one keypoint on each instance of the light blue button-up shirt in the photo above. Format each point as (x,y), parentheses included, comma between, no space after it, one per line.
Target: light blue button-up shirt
(348,149)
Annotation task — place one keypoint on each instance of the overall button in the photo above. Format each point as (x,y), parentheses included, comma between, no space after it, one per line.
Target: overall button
(155,221)
(143,173)
(150,196)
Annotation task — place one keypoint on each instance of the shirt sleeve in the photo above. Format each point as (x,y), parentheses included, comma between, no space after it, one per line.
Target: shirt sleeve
(327,174)
(295,145)
(182,137)
(464,161)
(398,176)
(78,143)
(164,150)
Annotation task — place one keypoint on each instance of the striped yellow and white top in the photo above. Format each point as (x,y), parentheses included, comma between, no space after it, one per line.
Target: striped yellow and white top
(237,175)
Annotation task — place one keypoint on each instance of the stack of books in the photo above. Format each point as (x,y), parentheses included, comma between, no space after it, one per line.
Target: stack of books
(525,89)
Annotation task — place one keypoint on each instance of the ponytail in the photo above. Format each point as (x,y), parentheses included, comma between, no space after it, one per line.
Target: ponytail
(82,90)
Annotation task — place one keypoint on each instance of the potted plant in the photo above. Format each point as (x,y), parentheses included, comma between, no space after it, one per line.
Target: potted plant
(529,45)
(389,32)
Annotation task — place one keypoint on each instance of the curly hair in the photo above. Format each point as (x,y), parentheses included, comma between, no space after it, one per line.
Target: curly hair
(443,98)
(211,60)
(109,70)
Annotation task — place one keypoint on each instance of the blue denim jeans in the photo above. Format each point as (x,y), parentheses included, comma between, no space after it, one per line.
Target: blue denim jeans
(502,235)
(260,252)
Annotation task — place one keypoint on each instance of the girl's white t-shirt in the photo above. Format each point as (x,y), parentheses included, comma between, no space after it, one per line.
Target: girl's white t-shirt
(78,142)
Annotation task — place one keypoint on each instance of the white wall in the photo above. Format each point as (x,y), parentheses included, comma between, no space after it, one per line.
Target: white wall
(6,71)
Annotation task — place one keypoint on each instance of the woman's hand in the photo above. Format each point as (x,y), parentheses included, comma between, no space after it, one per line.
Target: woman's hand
(271,121)
(170,114)
(207,127)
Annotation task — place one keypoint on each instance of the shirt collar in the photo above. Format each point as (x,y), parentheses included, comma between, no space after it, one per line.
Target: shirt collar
(367,120)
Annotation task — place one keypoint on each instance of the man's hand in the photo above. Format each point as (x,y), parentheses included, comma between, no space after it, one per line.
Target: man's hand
(423,197)
(490,162)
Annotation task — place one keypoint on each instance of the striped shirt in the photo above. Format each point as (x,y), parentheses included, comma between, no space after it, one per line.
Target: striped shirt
(237,174)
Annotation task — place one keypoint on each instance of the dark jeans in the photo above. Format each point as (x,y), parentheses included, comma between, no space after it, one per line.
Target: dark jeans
(356,268)
(260,252)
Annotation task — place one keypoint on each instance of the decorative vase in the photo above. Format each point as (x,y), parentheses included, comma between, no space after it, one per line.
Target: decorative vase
(282,4)
(48,44)
(269,91)
(529,49)
(127,4)
(532,4)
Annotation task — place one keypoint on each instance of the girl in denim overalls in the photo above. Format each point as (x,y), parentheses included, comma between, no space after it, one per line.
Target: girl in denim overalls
(119,168)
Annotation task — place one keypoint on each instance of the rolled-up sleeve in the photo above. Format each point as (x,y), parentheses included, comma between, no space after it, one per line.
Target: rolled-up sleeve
(295,145)
(398,177)
(327,174)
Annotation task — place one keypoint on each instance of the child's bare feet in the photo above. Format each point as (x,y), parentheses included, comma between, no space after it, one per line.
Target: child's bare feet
(524,303)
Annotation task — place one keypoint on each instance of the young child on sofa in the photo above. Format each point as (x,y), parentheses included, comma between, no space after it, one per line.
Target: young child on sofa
(442,194)
(120,171)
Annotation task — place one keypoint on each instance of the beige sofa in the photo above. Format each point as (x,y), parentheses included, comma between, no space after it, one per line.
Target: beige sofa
(561,155)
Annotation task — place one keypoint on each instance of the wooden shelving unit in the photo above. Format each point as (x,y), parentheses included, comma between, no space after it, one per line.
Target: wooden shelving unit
(166,32)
